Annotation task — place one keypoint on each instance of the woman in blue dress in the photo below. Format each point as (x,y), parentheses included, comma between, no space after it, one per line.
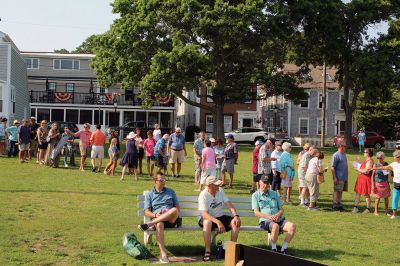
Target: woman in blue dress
(130,158)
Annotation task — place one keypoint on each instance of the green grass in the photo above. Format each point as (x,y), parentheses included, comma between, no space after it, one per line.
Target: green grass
(66,217)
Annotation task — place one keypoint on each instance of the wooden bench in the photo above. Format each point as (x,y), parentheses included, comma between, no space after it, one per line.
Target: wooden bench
(189,208)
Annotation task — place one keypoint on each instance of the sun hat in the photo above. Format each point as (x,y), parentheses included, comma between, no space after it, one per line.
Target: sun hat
(131,135)
(213,180)
(16,122)
(212,140)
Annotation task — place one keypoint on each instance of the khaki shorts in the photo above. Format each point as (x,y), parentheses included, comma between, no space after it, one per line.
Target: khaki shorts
(339,186)
(177,156)
(97,152)
(313,187)
(301,183)
(23,147)
(84,150)
(33,145)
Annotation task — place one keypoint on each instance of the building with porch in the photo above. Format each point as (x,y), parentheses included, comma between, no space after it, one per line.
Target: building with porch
(63,87)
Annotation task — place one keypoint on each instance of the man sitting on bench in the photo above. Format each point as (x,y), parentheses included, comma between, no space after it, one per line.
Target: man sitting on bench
(162,206)
(211,203)
(267,205)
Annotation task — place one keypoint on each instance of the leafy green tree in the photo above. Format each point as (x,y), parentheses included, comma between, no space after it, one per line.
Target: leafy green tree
(61,51)
(87,47)
(170,46)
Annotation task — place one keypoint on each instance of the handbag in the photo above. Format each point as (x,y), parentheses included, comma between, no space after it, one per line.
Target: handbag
(320,178)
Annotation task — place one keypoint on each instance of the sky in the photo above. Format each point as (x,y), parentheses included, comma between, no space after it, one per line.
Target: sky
(45,25)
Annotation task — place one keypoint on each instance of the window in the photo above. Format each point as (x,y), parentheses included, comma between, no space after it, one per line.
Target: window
(305,103)
(57,114)
(140,116)
(43,114)
(98,117)
(70,87)
(319,126)
(271,122)
(281,122)
(129,116)
(85,116)
(32,63)
(341,101)
(209,123)
(320,101)
(165,119)
(227,123)
(72,116)
(66,64)
(303,126)
(209,92)
(152,119)
(51,86)
(129,96)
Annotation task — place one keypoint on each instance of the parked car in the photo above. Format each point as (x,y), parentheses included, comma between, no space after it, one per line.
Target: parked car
(373,140)
(248,134)
(398,144)
(62,124)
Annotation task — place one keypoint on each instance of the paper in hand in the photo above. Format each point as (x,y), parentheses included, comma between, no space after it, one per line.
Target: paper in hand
(356,165)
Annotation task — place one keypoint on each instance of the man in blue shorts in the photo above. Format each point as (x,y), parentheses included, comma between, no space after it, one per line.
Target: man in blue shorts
(161,205)
(267,206)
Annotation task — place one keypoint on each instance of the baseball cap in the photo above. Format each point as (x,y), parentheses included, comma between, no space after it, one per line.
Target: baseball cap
(230,136)
(264,178)
(259,142)
(213,180)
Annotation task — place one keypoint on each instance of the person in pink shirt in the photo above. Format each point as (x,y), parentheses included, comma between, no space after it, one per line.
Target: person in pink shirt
(149,145)
(208,163)
(84,143)
(254,168)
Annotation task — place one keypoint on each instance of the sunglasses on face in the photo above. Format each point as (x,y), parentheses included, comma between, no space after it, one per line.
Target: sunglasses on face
(162,180)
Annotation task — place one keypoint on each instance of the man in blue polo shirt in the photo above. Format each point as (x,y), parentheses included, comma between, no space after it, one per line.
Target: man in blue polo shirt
(160,152)
(267,206)
(177,150)
(162,206)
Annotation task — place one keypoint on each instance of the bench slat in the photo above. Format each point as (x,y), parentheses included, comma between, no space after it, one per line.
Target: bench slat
(189,213)
(198,228)
(192,205)
(195,199)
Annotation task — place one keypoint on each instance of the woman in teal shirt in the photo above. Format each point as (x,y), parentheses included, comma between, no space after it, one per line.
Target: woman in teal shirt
(287,165)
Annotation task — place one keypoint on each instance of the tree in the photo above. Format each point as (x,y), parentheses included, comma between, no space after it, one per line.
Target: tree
(170,46)
(335,32)
(61,51)
(87,47)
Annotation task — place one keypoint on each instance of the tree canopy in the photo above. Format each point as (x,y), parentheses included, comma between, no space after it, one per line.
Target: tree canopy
(169,46)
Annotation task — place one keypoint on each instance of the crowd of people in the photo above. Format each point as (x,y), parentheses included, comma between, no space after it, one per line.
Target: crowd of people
(273,172)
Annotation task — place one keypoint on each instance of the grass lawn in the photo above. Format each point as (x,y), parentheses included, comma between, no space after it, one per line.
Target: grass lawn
(67,217)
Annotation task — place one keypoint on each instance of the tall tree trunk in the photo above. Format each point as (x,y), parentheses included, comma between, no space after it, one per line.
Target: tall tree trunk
(348,109)
(218,117)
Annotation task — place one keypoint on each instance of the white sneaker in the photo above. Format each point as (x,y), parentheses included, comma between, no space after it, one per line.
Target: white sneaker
(164,260)
(65,165)
(355,210)
(393,217)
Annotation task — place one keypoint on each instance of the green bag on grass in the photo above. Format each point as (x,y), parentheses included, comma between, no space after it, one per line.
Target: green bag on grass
(133,247)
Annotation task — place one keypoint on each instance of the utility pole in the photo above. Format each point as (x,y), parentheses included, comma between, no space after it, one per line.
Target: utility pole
(323,109)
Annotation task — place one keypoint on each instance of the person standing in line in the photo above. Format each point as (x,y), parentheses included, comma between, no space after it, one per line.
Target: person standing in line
(380,184)
(208,163)
(115,134)
(3,122)
(363,184)
(160,153)
(42,133)
(340,174)
(84,144)
(97,140)
(130,158)
(231,156)
(33,147)
(197,154)
(287,165)
(177,150)
(157,132)
(305,149)
(219,153)
(149,145)
(139,146)
(113,156)
(53,138)
(361,138)
(276,168)
(314,169)
(254,168)
(395,167)
(24,135)
(301,175)
(12,132)
(69,147)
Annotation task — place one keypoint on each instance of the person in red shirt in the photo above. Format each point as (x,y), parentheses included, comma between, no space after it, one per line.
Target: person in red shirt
(98,139)
(254,169)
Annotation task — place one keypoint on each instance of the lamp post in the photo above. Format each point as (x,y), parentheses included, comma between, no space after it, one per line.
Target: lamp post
(275,112)
(115,111)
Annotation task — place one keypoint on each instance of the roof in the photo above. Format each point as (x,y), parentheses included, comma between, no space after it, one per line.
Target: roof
(56,55)
(316,74)
(5,38)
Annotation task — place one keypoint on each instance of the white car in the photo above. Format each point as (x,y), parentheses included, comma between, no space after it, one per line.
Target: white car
(398,144)
(248,134)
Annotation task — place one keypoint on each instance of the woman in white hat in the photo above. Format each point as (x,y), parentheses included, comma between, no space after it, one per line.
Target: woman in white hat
(130,158)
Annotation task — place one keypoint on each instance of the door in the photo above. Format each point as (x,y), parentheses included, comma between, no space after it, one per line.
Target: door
(340,127)
(247,122)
